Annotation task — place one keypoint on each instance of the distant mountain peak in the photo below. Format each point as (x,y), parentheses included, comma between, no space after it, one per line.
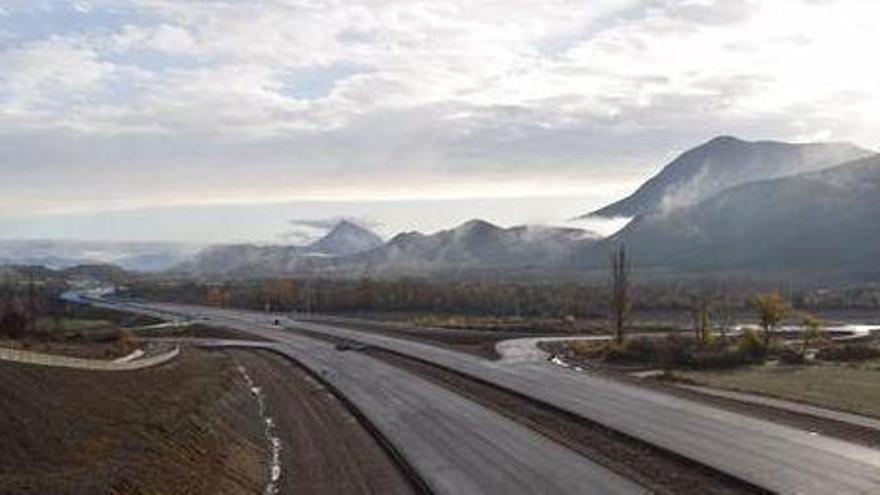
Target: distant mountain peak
(477,224)
(725,139)
(344,238)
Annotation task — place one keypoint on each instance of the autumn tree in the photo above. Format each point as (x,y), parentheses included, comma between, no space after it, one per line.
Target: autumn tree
(771,309)
(281,294)
(812,327)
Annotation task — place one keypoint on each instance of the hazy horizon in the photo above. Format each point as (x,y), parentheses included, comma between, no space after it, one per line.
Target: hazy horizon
(113,112)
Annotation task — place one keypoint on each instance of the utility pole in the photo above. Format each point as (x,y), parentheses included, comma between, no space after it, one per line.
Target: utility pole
(32,301)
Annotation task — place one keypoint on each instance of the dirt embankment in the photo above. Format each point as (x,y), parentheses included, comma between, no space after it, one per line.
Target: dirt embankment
(324,449)
(188,426)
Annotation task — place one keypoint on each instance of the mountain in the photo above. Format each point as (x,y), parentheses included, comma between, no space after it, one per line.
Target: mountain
(139,256)
(473,246)
(722,163)
(345,238)
(818,221)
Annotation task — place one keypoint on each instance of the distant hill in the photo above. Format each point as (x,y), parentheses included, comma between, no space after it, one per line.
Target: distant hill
(59,254)
(345,238)
(722,163)
(474,245)
(823,220)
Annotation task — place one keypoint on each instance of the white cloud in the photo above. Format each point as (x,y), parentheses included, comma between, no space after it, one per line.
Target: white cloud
(195,99)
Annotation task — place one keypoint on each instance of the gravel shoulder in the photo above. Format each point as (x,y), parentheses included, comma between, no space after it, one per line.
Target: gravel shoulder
(324,449)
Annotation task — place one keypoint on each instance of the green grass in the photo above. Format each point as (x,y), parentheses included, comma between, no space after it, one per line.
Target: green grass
(854,388)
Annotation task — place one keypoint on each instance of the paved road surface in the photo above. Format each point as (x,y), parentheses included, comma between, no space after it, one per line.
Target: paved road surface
(780,458)
(455,445)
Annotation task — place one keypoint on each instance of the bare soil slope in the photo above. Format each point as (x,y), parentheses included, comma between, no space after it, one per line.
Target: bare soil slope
(189,426)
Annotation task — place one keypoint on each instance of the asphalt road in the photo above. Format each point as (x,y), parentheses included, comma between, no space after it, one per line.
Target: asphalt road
(779,458)
(455,445)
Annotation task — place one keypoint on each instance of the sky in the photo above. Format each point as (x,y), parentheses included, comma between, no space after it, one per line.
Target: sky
(221,120)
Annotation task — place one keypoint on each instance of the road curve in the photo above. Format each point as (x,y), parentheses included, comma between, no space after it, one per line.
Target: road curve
(776,457)
(455,445)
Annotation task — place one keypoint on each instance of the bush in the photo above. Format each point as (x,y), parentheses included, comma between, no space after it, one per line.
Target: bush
(752,344)
(718,359)
(791,356)
(676,352)
(848,352)
(13,322)
(125,341)
(636,351)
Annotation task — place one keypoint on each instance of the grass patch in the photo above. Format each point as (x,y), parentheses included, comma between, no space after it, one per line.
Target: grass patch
(461,321)
(836,386)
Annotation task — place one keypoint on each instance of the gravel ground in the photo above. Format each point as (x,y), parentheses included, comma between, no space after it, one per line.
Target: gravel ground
(324,449)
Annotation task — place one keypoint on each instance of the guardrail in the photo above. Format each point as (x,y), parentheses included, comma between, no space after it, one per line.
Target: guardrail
(39,358)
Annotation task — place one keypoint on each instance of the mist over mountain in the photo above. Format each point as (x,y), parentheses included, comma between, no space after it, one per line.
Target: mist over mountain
(57,254)
(475,245)
(345,238)
(722,163)
(818,221)
(728,205)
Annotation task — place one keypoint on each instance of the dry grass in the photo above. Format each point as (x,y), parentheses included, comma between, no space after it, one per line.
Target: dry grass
(182,427)
(851,388)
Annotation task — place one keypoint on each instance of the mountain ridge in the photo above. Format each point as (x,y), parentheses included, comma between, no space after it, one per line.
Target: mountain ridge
(724,162)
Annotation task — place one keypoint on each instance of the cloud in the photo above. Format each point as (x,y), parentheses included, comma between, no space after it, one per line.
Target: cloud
(146,101)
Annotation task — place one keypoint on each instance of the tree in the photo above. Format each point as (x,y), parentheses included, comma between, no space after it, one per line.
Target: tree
(700,314)
(14,320)
(619,303)
(216,296)
(281,294)
(771,308)
(812,327)
(723,318)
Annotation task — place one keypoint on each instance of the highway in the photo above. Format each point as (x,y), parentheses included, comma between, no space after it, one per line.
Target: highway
(455,445)
(776,457)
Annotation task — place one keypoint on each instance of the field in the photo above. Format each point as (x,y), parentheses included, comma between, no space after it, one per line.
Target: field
(848,387)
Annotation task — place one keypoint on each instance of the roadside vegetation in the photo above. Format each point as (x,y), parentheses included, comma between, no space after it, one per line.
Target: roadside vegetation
(850,386)
(33,317)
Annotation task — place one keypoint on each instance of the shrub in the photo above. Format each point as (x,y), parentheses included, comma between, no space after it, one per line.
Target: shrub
(13,322)
(752,345)
(848,352)
(791,356)
(125,341)
(676,351)
(718,359)
(635,351)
